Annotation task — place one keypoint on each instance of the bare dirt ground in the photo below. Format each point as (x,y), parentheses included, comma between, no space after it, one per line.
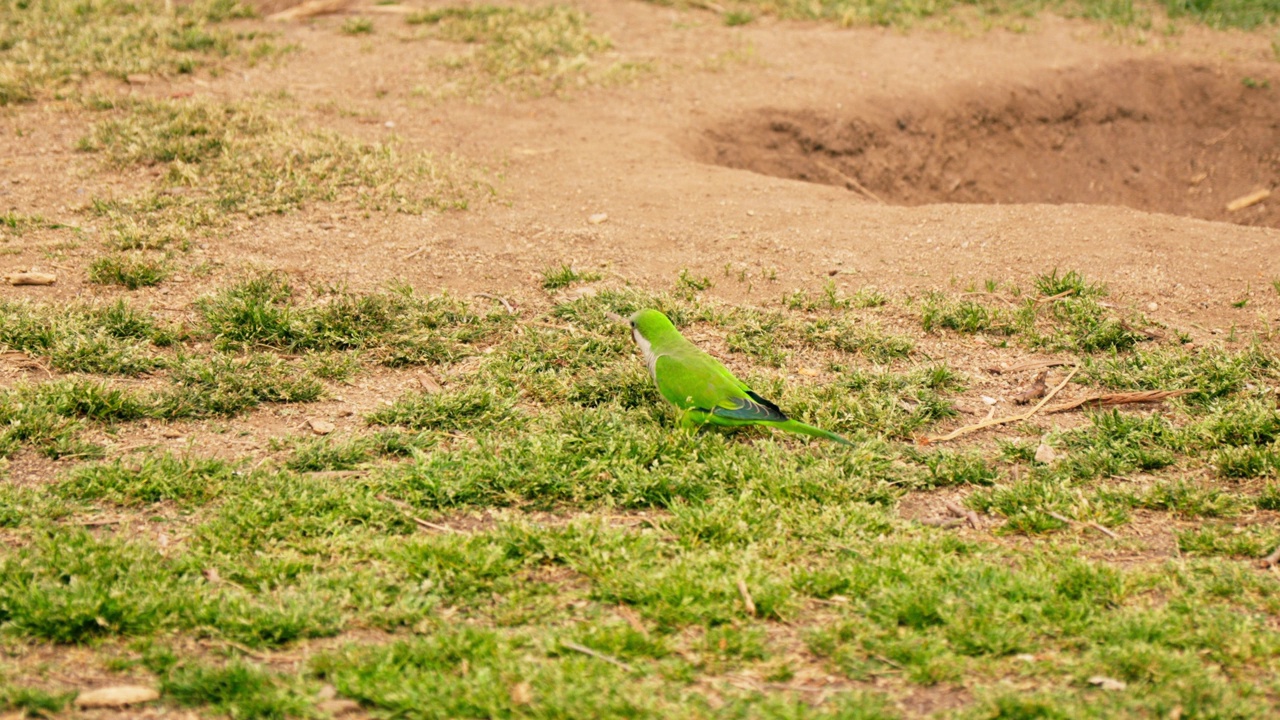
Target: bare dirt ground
(900,160)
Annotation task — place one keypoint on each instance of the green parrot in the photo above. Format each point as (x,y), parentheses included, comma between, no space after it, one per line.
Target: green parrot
(703,389)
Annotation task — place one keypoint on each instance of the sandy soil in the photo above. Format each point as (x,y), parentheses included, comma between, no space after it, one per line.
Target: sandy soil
(798,147)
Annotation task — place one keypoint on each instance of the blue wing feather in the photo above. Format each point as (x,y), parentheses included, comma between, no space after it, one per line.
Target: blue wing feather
(752,407)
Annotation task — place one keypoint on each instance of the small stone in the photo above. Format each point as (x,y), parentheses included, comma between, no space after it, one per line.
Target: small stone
(1107,683)
(116,696)
(171,434)
(578,293)
(989,400)
(389,123)
(138,78)
(1045,454)
(321,427)
(1152,307)
(598,218)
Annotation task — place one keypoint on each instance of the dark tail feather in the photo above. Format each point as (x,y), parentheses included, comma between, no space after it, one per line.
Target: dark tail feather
(796,426)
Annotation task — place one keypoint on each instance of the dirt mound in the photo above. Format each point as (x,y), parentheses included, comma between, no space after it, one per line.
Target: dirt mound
(1179,139)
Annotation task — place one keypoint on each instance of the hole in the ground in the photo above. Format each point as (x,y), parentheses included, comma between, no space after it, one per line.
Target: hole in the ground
(1162,137)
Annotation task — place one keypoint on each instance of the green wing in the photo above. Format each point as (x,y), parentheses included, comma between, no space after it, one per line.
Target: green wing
(697,380)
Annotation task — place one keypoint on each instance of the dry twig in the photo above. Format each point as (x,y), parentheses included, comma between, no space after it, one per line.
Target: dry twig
(1025,365)
(849,180)
(407,509)
(967,515)
(1245,201)
(505,303)
(1004,420)
(1123,398)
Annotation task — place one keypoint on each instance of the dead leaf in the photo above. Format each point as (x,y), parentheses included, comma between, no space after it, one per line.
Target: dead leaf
(116,696)
(429,384)
(1107,683)
(338,707)
(1036,391)
(521,693)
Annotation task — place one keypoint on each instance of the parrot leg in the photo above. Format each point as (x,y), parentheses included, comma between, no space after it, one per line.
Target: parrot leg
(693,418)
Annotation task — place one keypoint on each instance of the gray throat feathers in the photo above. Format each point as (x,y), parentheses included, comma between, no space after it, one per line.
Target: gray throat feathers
(646,349)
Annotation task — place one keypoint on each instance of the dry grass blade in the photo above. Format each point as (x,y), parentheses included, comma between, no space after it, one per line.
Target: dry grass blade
(1004,420)
(1091,525)
(1123,398)
(1026,365)
(852,182)
(747,600)
(308,9)
(408,511)
(597,655)
(501,300)
(1051,298)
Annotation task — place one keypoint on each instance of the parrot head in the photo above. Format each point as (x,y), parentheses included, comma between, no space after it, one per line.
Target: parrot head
(647,327)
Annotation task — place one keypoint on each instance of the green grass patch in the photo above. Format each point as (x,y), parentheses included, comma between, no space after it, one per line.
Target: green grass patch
(564,276)
(48,46)
(536,48)
(132,272)
(544,500)
(397,326)
(113,339)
